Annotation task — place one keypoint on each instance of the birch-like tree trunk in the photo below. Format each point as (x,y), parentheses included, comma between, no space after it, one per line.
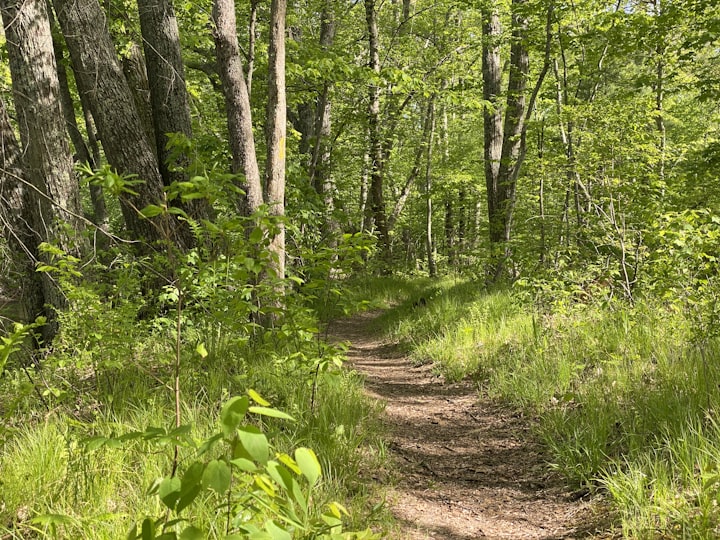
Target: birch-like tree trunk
(276,127)
(429,242)
(237,104)
(376,192)
(492,120)
(505,146)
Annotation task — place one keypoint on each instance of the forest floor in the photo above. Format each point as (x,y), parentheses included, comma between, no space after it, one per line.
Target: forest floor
(463,467)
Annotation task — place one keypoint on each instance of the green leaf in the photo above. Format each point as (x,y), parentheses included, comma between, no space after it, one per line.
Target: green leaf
(255,443)
(192,533)
(233,413)
(274,413)
(177,211)
(257,398)
(191,485)
(94,443)
(289,463)
(277,533)
(216,476)
(209,443)
(309,464)
(256,235)
(151,210)
(201,350)
(244,464)
(148,529)
(261,535)
(169,491)
(285,480)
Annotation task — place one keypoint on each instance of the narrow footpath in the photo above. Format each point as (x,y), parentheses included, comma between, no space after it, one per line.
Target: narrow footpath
(466,469)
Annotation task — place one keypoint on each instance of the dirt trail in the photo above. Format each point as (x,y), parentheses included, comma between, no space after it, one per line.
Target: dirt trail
(466,469)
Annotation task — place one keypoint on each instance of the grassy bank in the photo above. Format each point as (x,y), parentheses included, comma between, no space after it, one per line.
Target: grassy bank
(624,402)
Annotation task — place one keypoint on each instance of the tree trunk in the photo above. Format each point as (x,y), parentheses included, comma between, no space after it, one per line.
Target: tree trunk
(168,94)
(376,195)
(320,170)
(492,120)
(54,194)
(429,243)
(420,151)
(135,71)
(97,194)
(126,145)
(82,150)
(502,182)
(276,127)
(237,104)
(15,222)
(252,29)
(514,119)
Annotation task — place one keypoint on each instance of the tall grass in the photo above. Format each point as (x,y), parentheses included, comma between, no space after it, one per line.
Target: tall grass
(52,486)
(624,402)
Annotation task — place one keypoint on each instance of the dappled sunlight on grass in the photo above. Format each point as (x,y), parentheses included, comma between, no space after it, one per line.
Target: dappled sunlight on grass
(624,402)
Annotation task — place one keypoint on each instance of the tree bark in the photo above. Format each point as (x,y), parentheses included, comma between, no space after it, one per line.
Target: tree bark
(135,71)
(320,167)
(15,222)
(376,195)
(492,121)
(53,190)
(514,118)
(429,242)
(128,150)
(420,151)
(252,29)
(501,182)
(168,94)
(276,127)
(82,151)
(237,104)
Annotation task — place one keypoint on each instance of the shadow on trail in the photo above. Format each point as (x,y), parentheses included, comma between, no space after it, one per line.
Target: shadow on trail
(465,469)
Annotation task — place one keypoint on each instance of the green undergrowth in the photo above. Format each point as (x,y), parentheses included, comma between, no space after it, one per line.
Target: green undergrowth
(87,441)
(625,401)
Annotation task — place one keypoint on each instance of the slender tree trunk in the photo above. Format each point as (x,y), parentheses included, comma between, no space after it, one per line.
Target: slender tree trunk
(237,104)
(420,152)
(365,219)
(82,149)
(492,120)
(514,117)
(501,185)
(252,29)
(320,167)
(100,77)
(276,126)
(97,194)
(376,195)
(429,242)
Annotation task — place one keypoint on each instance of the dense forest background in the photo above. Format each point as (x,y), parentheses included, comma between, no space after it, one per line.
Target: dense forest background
(191,192)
